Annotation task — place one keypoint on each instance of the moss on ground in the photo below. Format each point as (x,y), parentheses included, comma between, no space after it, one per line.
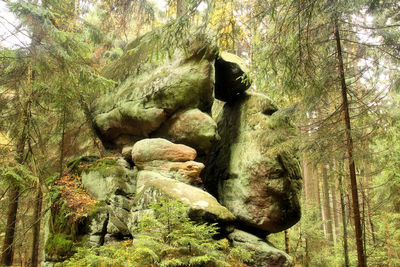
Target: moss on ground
(60,246)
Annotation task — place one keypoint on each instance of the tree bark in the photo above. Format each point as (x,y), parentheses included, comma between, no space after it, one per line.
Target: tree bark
(307,257)
(62,143)
(7,253)
(287,245)
(307,170)
(349,146)
(368,197)
(344,223)
(326,206)
(93,127)
(36,229)
(335,211)
(317,195)
(180,7)
(389,248)
(307,183)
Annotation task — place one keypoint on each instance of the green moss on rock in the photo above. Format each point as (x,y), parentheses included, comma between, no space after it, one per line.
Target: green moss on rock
(59,246)
(254,166)
(201,204)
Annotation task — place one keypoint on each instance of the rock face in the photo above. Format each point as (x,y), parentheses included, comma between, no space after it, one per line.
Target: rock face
(191,127)
(254,178)
(236,169)
(108,181)
(265,254)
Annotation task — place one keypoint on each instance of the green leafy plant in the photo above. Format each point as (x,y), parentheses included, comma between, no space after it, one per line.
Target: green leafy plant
(166,237)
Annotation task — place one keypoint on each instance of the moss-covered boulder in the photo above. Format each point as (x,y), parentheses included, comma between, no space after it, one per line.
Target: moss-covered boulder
(265,254)
(190,127)
(161,149)
(253,170)
(143,100)
(187,172)
(103,180)
(201,204)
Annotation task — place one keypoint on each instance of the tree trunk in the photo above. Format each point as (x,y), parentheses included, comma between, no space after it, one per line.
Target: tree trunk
(307,258)
(326,206)
(343,208)
(76,11)
(62,140)
(287,245)
(93,127)
(180,7)
(7,253)
(368,197)
(363,218)
(389,248)
(349,146)
(36,228)
(317,195)
(307,193)
(307,169)
(307,181)
(335,212)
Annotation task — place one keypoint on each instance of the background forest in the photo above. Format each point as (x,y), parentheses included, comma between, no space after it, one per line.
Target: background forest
(333,66)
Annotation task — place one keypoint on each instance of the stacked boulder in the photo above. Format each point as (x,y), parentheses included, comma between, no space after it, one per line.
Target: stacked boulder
(168,169)
(233,167)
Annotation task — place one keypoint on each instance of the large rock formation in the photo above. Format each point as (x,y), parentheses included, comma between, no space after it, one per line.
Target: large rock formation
(255,178)
(235,170)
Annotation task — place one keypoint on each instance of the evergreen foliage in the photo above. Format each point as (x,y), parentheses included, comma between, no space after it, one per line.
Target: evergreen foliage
(166,237)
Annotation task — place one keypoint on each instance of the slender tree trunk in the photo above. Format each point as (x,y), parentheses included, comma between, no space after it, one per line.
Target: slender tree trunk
(368,197)
(36,228)
(62,140)
(287,245)
(307,182)
(344,223)
(180,7)
(349,146)
(93,127)
(363,218)
(317,196)
(326,206)
(76,11)
(307,193)
(7,254)
(389,248)
(335,212)
(307,170)
(8,246)
(307,259)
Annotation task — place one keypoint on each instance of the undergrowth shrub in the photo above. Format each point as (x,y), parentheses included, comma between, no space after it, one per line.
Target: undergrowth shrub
(166,237)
